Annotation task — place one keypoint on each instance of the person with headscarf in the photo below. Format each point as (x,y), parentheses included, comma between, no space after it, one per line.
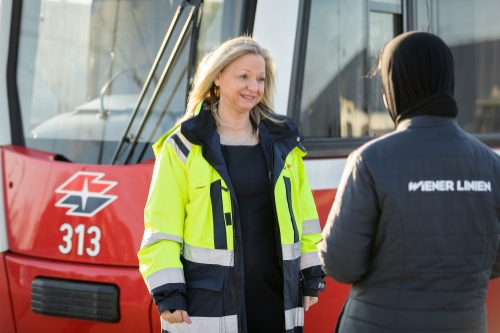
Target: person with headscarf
(415,226)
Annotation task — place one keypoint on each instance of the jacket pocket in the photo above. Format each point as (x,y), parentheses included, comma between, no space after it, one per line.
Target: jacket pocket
(204,295)
(288,187)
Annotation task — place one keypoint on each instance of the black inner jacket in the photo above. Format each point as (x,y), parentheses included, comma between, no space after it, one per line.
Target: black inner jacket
(418,76)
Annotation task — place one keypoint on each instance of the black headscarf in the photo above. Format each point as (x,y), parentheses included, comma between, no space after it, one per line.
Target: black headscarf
(418,76)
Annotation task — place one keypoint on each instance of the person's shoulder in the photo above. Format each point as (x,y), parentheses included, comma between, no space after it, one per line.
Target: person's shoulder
(380,144)
(481,149)
(280,118)
(157,146)
(173,139)
(279,124)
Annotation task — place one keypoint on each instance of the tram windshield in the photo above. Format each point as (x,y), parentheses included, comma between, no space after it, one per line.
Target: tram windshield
(82,64)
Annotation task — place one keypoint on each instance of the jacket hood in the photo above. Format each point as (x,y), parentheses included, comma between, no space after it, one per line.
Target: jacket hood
(418,76)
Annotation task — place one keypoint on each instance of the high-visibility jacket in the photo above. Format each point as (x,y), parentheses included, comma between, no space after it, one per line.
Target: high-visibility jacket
(191,255)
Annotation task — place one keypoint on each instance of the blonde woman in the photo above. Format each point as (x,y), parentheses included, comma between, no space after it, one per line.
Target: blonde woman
(230,222)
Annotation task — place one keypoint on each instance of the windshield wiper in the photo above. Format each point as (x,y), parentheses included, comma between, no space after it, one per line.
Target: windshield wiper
(166,72)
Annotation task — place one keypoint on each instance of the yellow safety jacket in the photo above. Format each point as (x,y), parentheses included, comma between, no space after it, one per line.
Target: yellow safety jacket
(191,254)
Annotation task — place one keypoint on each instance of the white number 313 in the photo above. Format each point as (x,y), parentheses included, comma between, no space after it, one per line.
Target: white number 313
(80,231)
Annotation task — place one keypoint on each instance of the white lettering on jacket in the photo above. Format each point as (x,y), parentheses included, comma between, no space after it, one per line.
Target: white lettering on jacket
(449,185)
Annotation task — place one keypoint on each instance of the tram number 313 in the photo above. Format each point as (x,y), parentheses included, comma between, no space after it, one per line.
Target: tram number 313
(79,230)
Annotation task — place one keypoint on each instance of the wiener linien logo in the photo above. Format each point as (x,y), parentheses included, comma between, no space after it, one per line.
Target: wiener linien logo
(85,193)
(450,185)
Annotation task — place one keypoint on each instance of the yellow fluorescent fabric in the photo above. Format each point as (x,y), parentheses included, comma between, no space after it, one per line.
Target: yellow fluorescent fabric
(306,206)
(164,211)
(150,261)
(185,209)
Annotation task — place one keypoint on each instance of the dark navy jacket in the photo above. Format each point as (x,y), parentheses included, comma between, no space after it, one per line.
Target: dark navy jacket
(415,228)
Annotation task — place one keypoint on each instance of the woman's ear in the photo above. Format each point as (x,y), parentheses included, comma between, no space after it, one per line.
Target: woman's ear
(216,80)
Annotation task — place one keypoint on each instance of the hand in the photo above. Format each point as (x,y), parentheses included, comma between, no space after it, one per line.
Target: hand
(177,317)
(309,301)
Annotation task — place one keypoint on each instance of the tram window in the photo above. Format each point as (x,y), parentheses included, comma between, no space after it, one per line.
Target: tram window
(344,38)
(334,67)
(472,31)
(382,28)
(82,64)
(218,24)
(336,99)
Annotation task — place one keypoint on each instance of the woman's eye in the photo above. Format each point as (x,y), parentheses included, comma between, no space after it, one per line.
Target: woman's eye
(244,76)
(262,79)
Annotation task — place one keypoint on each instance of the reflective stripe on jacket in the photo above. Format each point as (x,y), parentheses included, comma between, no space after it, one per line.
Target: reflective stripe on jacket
(191,256)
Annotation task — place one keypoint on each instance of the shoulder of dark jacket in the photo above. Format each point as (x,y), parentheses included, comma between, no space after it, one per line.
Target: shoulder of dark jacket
(283,128)
(199,128)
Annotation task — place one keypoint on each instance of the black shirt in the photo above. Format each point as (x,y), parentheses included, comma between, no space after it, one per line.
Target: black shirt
(249,176)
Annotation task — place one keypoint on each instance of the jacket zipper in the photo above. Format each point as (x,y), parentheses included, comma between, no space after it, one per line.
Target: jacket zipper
(235,270)
(277,236)
(271,169)
(234,250)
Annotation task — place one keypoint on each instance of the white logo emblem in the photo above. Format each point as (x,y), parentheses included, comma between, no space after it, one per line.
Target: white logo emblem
(450,185)
(86,193)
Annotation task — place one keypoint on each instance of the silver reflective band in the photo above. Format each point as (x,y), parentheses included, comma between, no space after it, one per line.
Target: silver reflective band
(227,324)
(176,147)
(164,276)
(151,238)
(311,227)
(294,318)
(291,251)
(309,259)
(208,256)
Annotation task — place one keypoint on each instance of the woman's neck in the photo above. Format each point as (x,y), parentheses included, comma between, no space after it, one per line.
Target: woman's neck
(235,121)
(236,127)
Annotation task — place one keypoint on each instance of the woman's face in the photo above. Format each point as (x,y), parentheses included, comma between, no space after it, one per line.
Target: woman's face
(241,83)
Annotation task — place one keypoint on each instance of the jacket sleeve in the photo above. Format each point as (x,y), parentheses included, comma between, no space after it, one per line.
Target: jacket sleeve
(310,266)
(348,233)
(495,273)
(159,256)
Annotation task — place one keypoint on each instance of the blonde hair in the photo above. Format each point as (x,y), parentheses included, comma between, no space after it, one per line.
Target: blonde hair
(215,62)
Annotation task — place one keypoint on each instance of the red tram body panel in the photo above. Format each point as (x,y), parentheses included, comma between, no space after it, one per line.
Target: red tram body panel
(75,134)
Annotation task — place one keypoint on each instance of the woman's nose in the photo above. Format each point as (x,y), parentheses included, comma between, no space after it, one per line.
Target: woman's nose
(252,85)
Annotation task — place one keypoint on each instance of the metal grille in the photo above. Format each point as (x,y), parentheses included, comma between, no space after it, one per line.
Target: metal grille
(75,299)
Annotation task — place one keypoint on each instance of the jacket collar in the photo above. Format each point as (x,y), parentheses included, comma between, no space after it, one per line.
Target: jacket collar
(426,121)
(276,140)
(200,129)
